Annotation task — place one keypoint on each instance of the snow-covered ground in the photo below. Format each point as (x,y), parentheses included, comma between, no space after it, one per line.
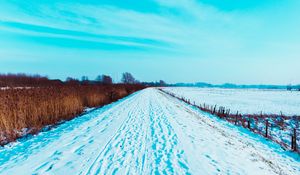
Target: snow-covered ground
(247,101)
(148,132)
(252,101)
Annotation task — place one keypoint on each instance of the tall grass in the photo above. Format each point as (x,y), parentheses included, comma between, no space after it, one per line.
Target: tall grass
(37,107)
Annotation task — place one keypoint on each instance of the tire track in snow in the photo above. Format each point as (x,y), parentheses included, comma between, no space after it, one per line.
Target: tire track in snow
(115,145)
(168,158)
(131,149)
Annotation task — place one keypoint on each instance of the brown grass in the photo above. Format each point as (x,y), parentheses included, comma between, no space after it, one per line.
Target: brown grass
(38,107)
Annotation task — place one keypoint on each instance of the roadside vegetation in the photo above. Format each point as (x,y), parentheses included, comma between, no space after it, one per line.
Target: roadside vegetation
(29,103)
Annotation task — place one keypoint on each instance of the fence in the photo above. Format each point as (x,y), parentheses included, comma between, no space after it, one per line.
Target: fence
(278,128)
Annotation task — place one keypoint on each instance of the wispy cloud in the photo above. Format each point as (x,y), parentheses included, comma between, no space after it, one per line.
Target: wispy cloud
(206,31)
(87,39)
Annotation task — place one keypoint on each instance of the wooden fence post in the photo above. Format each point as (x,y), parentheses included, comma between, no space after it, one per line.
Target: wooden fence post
(228,112)
(249,124)
(267,127)
(215,109)
(294,140)
(236,117)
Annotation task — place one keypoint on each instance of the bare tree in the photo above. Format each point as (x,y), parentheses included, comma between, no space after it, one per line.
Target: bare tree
(162,83)
(73,81)
(289,87)
(127,78)
(104,79)
(84,80)
(99,78)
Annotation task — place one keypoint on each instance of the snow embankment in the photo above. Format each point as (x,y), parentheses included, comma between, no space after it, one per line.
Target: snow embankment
(148,132)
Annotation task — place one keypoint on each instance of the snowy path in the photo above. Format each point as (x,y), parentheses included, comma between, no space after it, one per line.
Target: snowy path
(147,133)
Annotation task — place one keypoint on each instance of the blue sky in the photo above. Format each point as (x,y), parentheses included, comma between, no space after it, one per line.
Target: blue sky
(237,41)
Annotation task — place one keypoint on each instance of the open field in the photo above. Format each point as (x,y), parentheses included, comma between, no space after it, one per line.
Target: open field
(148,132)
(246,101)
(232,105)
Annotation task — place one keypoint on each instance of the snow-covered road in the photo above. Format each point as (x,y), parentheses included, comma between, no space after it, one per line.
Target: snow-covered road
(148,132)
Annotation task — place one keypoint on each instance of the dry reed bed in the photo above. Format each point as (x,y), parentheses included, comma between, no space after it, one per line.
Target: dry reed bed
(27,111)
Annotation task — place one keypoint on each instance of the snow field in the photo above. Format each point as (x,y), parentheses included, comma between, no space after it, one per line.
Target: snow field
(253,102)
(246,101)
(148,132)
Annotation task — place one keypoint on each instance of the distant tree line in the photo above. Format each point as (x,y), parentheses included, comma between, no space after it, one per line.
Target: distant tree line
(24,80)
(291,87)
(235,86)
(159,83)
